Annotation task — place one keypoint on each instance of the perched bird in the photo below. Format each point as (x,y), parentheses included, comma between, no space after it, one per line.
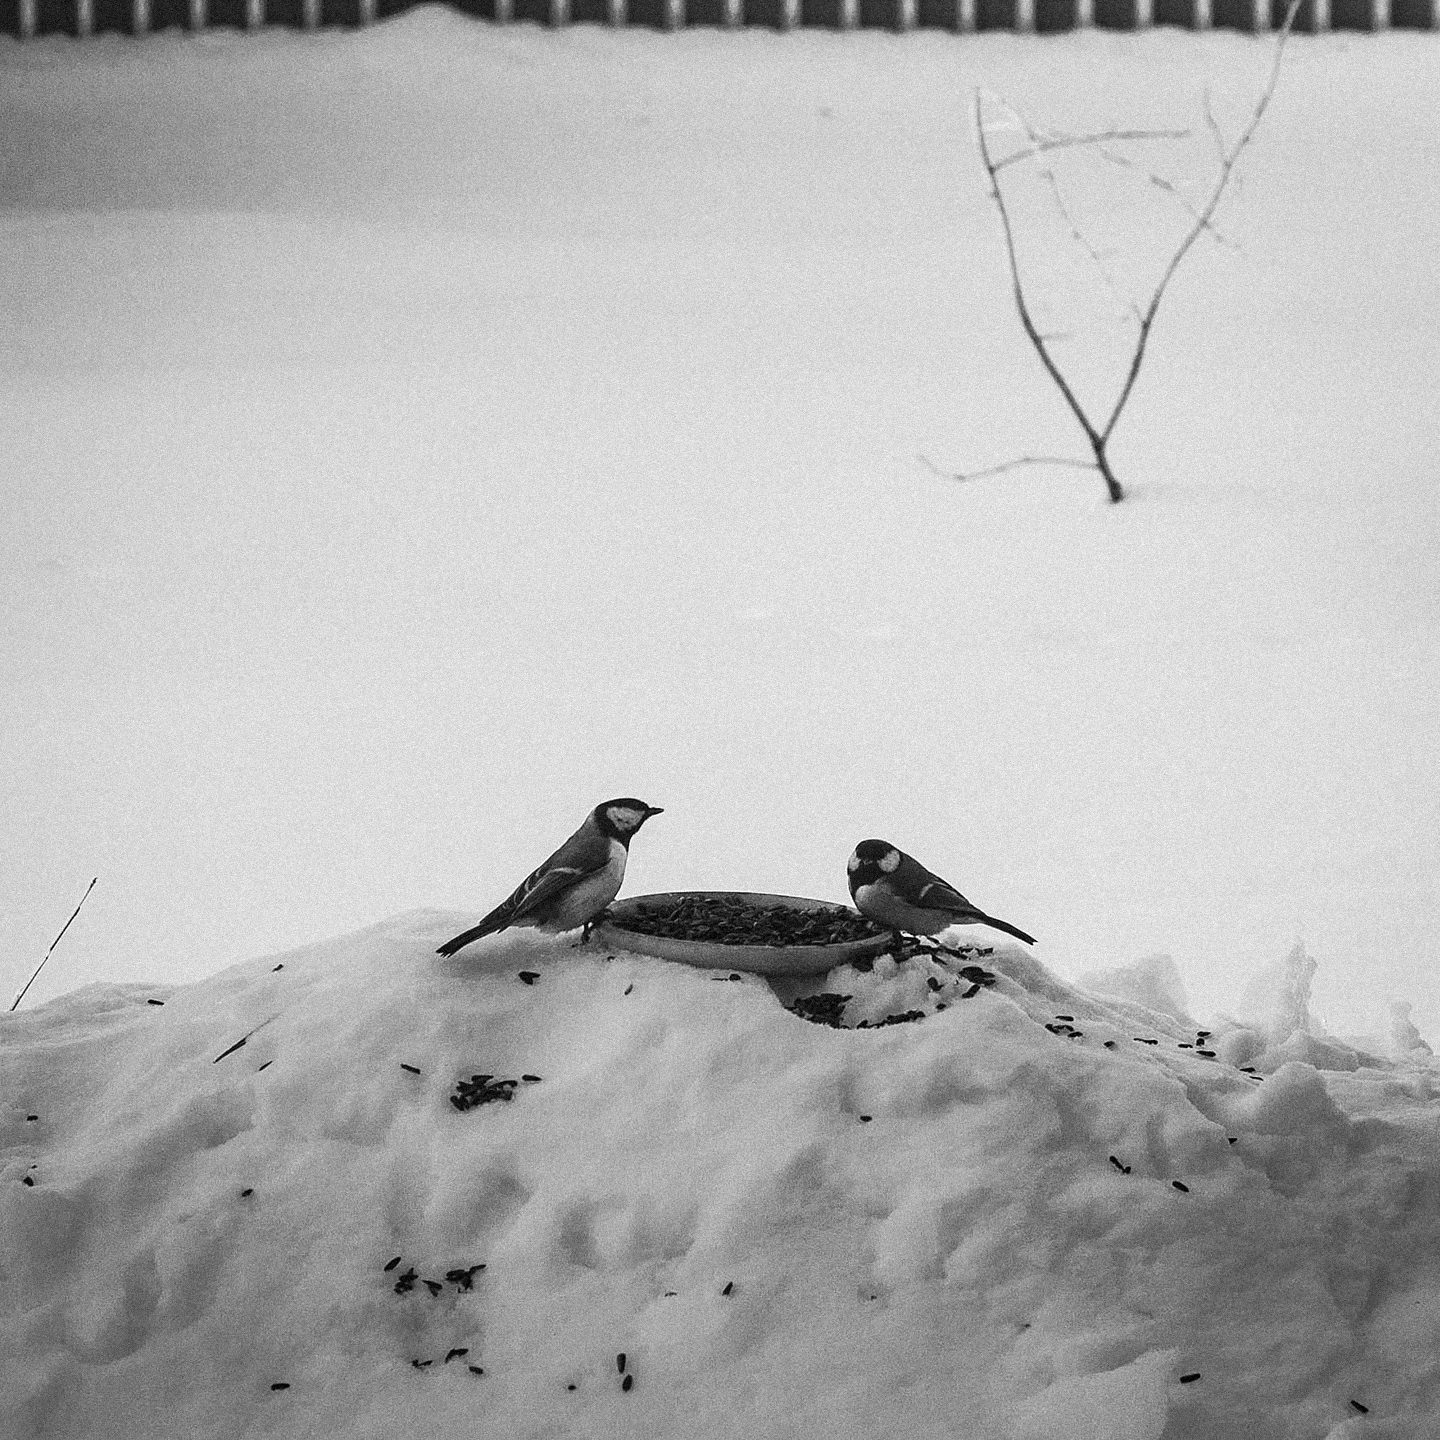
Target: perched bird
(576,883)
(896,890)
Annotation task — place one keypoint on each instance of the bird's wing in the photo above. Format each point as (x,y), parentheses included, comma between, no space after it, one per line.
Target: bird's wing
(938,894)
(542,886)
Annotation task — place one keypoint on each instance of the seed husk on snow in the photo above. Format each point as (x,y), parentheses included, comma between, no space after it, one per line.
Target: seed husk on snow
(482,1090)
(281,1385)
(413,1069)
(1191,1378)
(620,1362)
(458,1353)
(627,1382)
(729,1287)
(1363,1409)
(1178,1185)
(529,976)
(154,1002)
(476,1369)
(391,1264)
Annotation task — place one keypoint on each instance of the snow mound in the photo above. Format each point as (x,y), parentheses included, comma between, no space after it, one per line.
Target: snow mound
(541,1190)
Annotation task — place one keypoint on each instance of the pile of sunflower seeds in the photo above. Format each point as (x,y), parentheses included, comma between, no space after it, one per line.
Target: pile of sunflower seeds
(723,920)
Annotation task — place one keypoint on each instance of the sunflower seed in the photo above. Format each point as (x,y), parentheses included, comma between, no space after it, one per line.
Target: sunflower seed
(1176,1185)
(392,1264)
(1191,1378)
(413,1069)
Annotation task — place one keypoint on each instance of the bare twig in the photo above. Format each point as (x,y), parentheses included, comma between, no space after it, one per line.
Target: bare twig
(1202,221)
(1039,144)
(1098,435)
(1007,465)
(53,944)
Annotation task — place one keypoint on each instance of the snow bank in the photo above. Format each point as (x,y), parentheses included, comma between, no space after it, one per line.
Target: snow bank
(970,1225)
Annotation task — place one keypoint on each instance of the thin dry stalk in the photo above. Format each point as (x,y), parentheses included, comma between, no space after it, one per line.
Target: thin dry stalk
(53,944)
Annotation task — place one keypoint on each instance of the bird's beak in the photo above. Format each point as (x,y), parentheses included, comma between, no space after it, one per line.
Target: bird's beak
(653,810)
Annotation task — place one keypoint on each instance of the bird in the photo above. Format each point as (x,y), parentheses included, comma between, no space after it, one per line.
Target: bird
(894,889)
(573,887)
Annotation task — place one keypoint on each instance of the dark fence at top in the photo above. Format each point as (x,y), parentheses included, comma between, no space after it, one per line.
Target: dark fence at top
(27,18)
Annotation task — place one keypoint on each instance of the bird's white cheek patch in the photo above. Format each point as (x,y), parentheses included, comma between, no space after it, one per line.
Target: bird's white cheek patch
(853,864)
(622,818)
(890,861)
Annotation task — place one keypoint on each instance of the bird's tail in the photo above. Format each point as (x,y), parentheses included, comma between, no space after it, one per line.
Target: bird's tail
(995,924)
(496,920)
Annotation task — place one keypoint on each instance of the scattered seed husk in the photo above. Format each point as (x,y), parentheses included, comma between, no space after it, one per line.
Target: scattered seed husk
(278,967)
(31,1117)
(729,1287)
(627,1382)
(866,1119)
(1178,1185)
(482,1090)
(1232,1138)
(248,1191)
(725,920)
(1110,1045)
(458,1353)
(476,1369)
(265,1066)
(629,988)
(464,1278)
(154,1002)
(530,1079)
(906,1018)
(620,1362)
(281,1385)
(422,1364)
(27,1181)
(1120,1166)
(1208,1054)
(1191,1378)
(391,1264)
(1363,1409)
(1064,1017)
(413,1069)
(406,1283)
(1143,1040)
(433,1286)
(529,976)
(823,1009)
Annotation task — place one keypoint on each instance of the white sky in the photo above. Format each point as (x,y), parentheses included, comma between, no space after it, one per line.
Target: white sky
(411,438)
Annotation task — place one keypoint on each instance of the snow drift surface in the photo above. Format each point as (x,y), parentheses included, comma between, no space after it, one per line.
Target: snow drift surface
(699,1215)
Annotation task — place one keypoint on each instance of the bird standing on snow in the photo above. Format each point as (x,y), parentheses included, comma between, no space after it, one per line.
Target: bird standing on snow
(576,883)
(893,889)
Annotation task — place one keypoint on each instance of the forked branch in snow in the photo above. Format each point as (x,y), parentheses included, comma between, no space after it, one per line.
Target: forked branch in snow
(1099,431)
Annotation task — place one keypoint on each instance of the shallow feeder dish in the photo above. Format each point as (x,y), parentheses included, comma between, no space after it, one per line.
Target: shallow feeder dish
(755,959)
